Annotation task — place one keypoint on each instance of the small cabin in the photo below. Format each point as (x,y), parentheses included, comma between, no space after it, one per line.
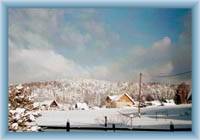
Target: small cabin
(81,106)
(54,104)
(118,101)
(50,105)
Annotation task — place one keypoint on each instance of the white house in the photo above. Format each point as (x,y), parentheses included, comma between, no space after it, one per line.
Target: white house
(81,106)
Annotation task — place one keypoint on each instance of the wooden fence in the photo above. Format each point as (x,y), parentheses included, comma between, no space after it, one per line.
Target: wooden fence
(112,128)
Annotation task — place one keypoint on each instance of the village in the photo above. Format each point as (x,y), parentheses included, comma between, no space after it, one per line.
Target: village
(106,69)
(53,103)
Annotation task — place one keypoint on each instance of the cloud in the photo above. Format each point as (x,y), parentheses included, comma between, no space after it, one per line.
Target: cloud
(33,28)
(36,36)
(73,38)
(99,72)
(37,64)
(162,45)
(152,57)
(27,65)
(182,55)
(73,28)
(162,58)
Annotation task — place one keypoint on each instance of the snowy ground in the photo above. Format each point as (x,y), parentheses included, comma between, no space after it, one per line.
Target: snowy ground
(151,117)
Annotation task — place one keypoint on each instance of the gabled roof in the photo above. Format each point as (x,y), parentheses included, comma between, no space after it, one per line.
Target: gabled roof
(48,102)
(117,97)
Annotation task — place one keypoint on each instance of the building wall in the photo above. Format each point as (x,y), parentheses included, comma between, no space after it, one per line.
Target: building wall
(108,103)
(122,104)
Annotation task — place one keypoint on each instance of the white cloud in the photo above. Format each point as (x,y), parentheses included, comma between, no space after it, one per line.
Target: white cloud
(182,55)
(30,30)
(72,37)
(154,60)
(99,72)
(162,45)
(35,64)
(36,27)
(162,58)
(27,65)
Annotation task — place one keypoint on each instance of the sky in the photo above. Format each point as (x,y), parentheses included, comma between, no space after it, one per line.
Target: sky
(114,44)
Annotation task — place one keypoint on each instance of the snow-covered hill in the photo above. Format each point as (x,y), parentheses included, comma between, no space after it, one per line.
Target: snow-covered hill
(94,91)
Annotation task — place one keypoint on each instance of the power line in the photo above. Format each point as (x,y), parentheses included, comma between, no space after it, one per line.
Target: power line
(174,75)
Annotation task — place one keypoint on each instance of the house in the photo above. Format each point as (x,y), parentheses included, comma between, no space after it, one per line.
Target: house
(116,101)
(49,105)
(81,106)
(54,104)
(169,102)
(154,103)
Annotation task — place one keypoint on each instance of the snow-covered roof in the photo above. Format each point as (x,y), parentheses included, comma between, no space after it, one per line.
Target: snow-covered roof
(117,97)
(114,97)
(48,102)
(156,103)
(82,106)
(19,87)
(36,104)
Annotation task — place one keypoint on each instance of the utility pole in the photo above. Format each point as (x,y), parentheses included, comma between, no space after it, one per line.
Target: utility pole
(139,99)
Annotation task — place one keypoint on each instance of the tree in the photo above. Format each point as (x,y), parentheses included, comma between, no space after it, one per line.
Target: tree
(182,93)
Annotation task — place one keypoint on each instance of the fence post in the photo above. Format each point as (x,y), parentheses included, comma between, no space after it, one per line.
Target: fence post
(106,122)
(113,126)
(68,126)
(171,126)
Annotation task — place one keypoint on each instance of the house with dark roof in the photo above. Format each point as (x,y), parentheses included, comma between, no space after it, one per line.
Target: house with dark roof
(50,105)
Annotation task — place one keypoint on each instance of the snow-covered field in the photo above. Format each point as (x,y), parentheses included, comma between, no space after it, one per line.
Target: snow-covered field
(151,117)
(69,93)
